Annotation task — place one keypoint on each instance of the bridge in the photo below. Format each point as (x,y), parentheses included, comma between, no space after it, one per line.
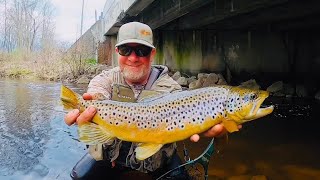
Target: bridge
(265,36)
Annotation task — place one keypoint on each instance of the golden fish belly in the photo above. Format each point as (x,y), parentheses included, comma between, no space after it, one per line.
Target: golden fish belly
(160,135)
(164,120)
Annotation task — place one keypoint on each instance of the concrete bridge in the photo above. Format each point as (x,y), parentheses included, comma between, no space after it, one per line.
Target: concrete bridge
(275,37)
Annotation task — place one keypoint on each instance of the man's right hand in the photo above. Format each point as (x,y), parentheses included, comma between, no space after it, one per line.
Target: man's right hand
(74,116)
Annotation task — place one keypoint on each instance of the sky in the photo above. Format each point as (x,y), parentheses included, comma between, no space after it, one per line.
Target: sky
(68,17)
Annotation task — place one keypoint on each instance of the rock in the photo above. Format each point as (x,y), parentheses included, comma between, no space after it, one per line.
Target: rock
(301,91)
(197,84)
(83,80)
(176,75)
(275,87)
(251,84)
(182,81)
(288,90)
(317,96)
(211,80)
(193,84)
(221,80)
(202,75)
(191,79)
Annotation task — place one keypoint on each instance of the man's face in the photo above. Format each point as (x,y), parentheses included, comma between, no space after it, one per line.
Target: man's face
(135,69)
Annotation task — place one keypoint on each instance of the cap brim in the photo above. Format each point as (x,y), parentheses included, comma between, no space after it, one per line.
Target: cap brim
(135,41)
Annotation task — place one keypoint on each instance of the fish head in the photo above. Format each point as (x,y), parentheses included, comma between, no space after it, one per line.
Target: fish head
(245,104)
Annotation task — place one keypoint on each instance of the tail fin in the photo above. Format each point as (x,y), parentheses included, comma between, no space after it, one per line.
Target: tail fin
(69,99)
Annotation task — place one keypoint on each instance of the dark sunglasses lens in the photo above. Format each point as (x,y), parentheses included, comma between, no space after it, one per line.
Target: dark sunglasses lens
(142,51)
(124,50)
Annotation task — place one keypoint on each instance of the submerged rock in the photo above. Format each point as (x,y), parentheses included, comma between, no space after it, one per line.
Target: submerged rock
(275,87)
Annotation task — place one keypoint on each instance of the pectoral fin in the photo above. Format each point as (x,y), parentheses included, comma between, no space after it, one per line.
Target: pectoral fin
(230,125)
(145,150)
(92,134)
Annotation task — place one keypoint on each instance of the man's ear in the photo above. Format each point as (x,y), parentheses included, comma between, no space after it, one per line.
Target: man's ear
(153,53)
(116,49)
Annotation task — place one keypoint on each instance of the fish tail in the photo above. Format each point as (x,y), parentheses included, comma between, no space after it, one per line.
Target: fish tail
(69,99)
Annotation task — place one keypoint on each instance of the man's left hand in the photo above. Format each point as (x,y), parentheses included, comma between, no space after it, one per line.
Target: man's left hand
(216,131)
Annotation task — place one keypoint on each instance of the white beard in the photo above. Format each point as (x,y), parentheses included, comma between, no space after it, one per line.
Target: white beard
(134,76)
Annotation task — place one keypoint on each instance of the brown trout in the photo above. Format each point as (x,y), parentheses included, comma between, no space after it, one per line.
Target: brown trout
(161,119)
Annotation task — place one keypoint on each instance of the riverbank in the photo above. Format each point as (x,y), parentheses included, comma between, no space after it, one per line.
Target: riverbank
(83,72)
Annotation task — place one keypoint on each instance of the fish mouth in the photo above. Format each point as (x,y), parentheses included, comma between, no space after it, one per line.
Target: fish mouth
(259,110)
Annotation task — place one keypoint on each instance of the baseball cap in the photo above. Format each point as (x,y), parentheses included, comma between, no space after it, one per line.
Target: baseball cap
(135,32)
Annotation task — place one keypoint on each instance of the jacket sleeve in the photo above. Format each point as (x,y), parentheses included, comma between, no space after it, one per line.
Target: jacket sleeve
(102,84)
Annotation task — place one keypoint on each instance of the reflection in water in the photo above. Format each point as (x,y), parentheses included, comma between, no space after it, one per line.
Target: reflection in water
(284,145)
(34,139)
(36,144)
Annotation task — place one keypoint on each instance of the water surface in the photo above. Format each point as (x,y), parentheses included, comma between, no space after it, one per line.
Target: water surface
(35,142)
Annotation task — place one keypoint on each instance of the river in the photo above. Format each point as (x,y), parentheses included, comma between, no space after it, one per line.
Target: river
(36,143)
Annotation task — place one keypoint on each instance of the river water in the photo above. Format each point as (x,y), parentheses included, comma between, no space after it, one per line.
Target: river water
(35,143)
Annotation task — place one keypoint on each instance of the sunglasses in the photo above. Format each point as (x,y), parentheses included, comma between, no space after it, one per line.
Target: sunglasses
(140,51)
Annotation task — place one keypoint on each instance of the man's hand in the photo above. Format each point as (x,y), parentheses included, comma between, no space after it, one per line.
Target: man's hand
(216,131)
(75,116)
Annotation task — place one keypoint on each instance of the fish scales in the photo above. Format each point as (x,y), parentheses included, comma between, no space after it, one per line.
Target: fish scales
(168,116)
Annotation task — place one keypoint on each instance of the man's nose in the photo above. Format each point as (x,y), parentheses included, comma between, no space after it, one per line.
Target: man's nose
(133,57)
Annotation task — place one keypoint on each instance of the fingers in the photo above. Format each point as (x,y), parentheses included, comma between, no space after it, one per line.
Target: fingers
(87,96)
(86,115)
(215,131)
(195,138)
(71,117)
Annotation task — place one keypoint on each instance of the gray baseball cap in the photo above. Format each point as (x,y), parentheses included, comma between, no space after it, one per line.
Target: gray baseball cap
(135,32)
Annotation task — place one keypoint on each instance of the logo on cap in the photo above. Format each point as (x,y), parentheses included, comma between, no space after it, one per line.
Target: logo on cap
(145,32)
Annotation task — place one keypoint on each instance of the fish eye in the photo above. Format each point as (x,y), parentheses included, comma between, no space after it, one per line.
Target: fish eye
(253,96)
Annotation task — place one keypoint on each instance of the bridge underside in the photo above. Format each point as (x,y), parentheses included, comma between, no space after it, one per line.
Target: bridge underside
(277,37)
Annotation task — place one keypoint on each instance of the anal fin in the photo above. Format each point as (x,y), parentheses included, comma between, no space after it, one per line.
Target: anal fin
(145,150)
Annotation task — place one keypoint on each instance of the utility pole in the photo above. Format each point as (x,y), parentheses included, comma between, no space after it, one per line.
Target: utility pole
(81,18)
(81,43)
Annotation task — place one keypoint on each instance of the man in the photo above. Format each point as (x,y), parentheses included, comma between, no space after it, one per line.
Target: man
(125,83)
